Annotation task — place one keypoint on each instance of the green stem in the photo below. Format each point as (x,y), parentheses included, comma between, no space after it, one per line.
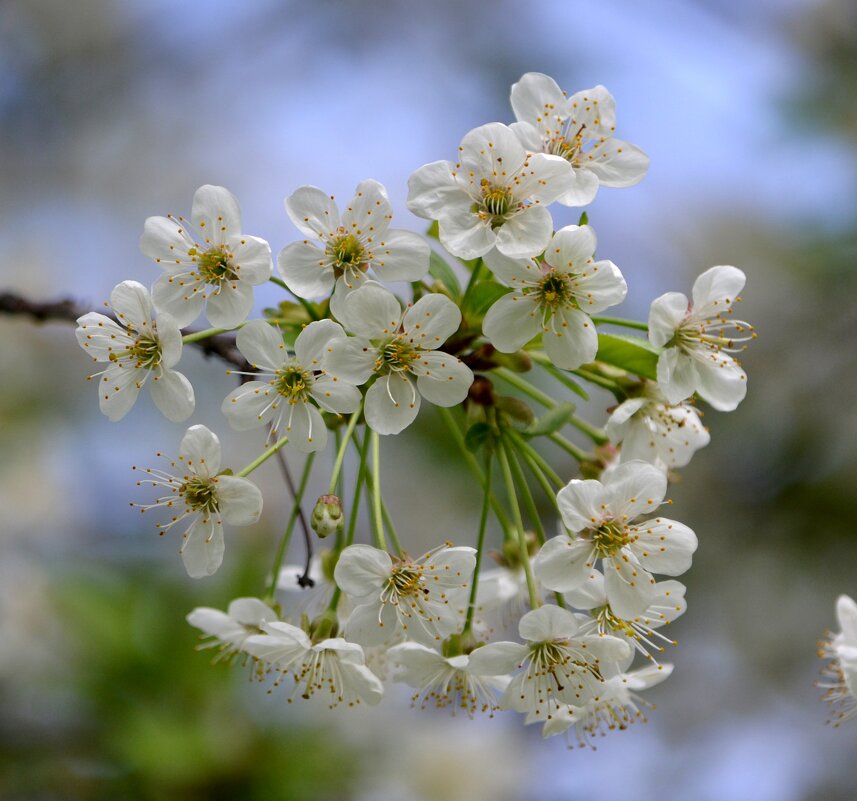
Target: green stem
(529,451)
(377,516)
(480,544)
(290,527)
(549,367)
(473,464)
(538,474)
(527,497)
(620,322)
(305,303)
(385,514)
(263,457)
(361,477)
(340,454)
(569,447)
(600,381)
(196,336)
(519,524)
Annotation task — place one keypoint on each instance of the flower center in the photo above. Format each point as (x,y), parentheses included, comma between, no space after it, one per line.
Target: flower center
(145,352)
(293,383)
(406,580)
(215,265)
(609,538)
(395,356)
(497,202)
(348,251)
(609,623)
(199,494)
(554,290)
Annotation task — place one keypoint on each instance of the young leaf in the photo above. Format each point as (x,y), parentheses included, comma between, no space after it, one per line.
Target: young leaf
(440,270)
(552,421)
(634,354)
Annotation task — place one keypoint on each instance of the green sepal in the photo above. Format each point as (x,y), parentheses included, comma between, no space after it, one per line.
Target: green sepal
(633,354)
(584,218)
(517,408)
(441,271)
(551,421)
(479,435)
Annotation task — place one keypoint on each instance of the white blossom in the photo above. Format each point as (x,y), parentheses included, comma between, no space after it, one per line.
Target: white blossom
(617,707)
(207,260)
(203,498)
(456,682)
(600,521)
(641,631)
(332,670)
(840,674)
(340,250)
(580,130)
(652,430)
(559,665)
(401,350)
(424,599)
(697,337)
(554,297)
(293,387)
(136,348)
(493,197)
(227,631)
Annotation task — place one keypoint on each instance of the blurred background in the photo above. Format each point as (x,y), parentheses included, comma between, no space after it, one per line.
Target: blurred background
(114,111)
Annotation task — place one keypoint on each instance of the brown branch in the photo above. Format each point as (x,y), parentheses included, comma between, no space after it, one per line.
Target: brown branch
(67,310)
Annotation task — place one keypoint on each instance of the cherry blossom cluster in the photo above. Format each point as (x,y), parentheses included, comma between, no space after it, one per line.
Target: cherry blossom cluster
(493,319)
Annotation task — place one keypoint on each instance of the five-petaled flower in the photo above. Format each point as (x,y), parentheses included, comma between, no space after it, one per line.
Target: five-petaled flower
(580,130)
(205,497)
(296,385)
(137,347)
(553,297)
(401,350)
(493,197)
(207,259)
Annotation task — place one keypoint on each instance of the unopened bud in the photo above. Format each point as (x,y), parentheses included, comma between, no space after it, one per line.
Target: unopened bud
(327,516)
(518,362)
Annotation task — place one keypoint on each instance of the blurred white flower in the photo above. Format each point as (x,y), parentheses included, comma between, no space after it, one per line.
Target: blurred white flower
(698,337)
(493,197)
(840,674)
(207,259)
(580,130)
(136,348)
(552,298)
(205,498)
(227,631)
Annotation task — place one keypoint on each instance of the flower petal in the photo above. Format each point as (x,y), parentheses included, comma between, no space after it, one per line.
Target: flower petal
(335,395)
(630,587)
(582,503)
(665,315)
(617,163)
(133,306)
(442,379)
(230,305)
(512,322)
(526,234)
(351,359)
(306,270)
(401,256)
(431,188)
(202,547)
(216,213)
(570,338)
(251,260)
(173,395)
(362,570)
(432,320)
(239,500)
(313,212)
(262,345)
(311,344)
(634,488)
(392,404)
(547,623)
(664,546)
(564,564)
(200,450)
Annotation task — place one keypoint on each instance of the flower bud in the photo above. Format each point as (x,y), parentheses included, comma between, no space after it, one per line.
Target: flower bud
(327,516)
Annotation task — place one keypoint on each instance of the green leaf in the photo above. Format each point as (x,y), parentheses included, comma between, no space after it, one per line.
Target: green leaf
(584,219)
(482,296)
(633,354)
(479,435)
(441,271)
(552,421)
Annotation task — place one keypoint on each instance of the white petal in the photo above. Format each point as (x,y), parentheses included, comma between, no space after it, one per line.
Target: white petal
(537,99)
(514,272)
(202,547)
(564,564)
(311,344)
(363,682)
(99,336)
(200,450)
(392,404)
(617,163)
(599,286)
(230,305)
(497,658)
(217,624)
(118,390)
(351,359)
(462,232)
(716,289)
(369,212)
(547,623)
(721,382)
(582,503)
(335,395)
(181,296)
(646,677)
(362,570)
(166,241)
(305,428)
(250,611)
(634,488)
(570,339)
(630,587)
(133,306)
(616,424)
(251,259)
(431,188)
(677,375)
(173,395)
(594,108)
(443,379)
(665,315)
(846,616)
(372,311)
(262,345)
(216,213)
(664,546)
(544,179)
(492,152)
(239,500)
(571,248)
(526,234)
(373,623)
(432,320)
(401,256)
(249,406)
(170,340)
(580,188)
(512,322)
(313,212)
(306,270)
